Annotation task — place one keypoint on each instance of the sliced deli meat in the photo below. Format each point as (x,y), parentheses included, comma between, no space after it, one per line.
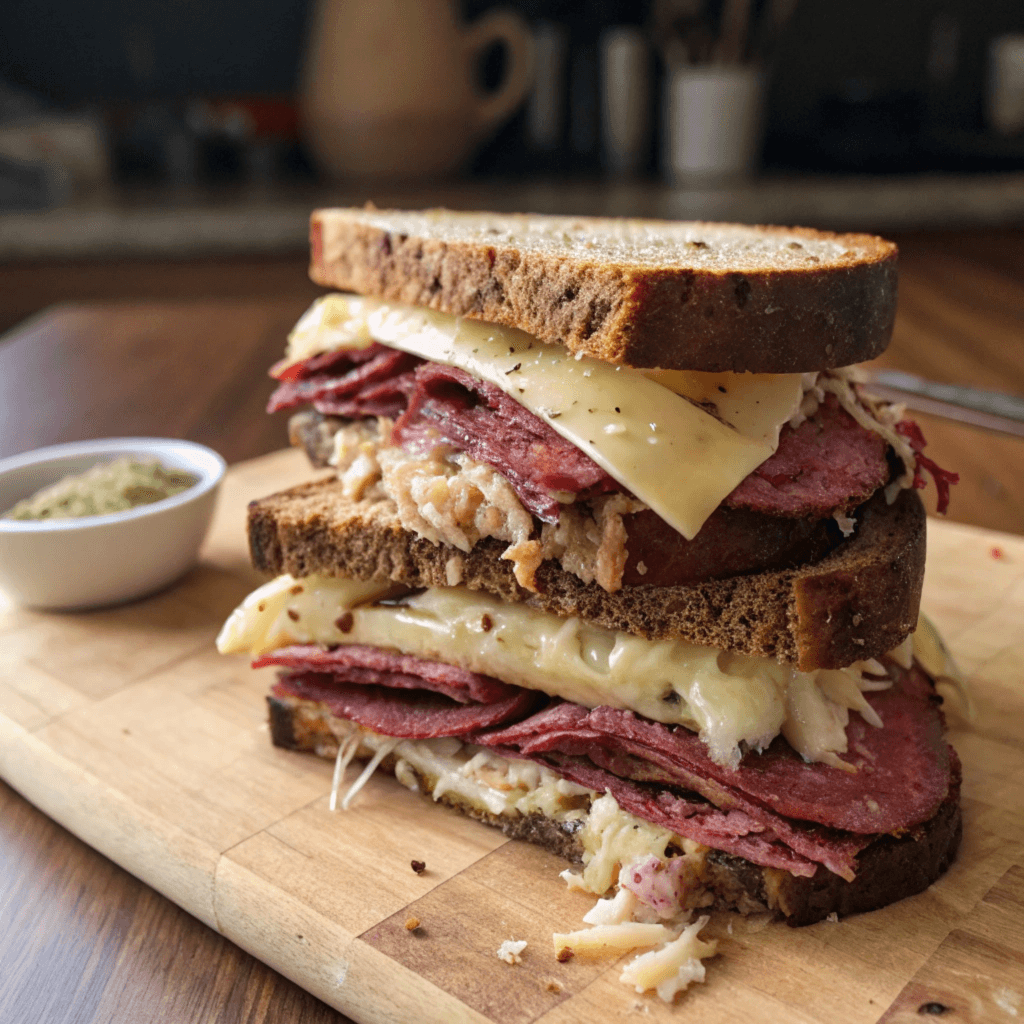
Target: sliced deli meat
(686,815)
(473,416)
(828,464)
(376,666)
(354,383)
(901,771)
(408,714)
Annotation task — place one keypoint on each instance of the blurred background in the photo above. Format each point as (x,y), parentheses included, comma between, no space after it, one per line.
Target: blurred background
(183,130)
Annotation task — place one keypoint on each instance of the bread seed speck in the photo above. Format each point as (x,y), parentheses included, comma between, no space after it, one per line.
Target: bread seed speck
(293,615)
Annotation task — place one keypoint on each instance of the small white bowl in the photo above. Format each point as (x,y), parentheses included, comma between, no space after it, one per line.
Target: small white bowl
(93,561)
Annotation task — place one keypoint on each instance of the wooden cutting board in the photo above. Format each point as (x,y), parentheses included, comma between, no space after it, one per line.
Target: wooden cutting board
(127,728)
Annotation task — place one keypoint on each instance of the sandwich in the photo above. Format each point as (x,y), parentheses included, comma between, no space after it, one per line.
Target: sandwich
(614,552)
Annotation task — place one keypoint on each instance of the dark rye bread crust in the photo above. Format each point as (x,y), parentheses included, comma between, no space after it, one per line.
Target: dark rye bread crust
(889,869)
(710,297)
(859,601)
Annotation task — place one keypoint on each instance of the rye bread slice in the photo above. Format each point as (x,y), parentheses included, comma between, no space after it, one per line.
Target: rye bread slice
(859,601)
(889,869)
(672,294)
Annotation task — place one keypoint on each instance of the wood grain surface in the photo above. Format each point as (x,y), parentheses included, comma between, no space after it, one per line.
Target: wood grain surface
(127,727)
(177,366)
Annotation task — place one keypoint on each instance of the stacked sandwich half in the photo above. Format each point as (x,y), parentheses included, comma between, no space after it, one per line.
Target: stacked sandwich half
(613,552)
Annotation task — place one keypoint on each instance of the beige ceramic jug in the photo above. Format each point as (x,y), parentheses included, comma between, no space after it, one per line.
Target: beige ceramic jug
(389,86)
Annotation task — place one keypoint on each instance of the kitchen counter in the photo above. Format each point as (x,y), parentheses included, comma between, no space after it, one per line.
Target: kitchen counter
(162,223)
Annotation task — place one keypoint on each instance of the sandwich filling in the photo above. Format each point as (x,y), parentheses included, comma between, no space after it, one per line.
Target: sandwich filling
(719,762)
(473,430)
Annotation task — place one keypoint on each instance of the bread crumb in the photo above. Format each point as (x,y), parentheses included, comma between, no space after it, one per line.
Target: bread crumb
(641,568)
(418,866)
(564,954)
(833,917)
(412,923)
(510,949)
(552,985)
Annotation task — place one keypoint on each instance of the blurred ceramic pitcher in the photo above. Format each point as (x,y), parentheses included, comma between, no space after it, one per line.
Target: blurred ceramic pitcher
(389,87)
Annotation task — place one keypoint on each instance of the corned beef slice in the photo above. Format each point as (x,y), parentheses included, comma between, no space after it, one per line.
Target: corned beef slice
(374,381)
(902,769)
(774,809)
(326,363)
(729,831)
(566,739)
(409,714)
(478,418)
(829,463)
(358,663)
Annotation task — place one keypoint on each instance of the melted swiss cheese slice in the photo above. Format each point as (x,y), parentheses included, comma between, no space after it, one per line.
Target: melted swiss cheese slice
(650,430)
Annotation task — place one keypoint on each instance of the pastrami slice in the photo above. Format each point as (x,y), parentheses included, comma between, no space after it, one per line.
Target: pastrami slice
(359,663)
(356,388)
(561,734)
(829,463)
(478,418)
(696,820)
(901,777)
(903,769)
(405,714)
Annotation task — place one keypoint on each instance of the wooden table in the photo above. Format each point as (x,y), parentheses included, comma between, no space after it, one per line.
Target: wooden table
(84,941)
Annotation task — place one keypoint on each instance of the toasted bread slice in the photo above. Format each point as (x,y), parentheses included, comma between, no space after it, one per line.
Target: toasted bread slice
(859,601)
(889,869)
(677,295)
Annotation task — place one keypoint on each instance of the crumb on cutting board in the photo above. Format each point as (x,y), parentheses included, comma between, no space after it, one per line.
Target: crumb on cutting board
(510,949)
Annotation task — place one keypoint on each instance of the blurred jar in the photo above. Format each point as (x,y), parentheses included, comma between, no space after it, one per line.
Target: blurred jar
(1005,93)
(389,90)
(625,99)
(714,122)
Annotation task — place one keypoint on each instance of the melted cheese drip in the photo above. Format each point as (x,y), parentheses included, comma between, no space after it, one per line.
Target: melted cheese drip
(631,423)
(727,698)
